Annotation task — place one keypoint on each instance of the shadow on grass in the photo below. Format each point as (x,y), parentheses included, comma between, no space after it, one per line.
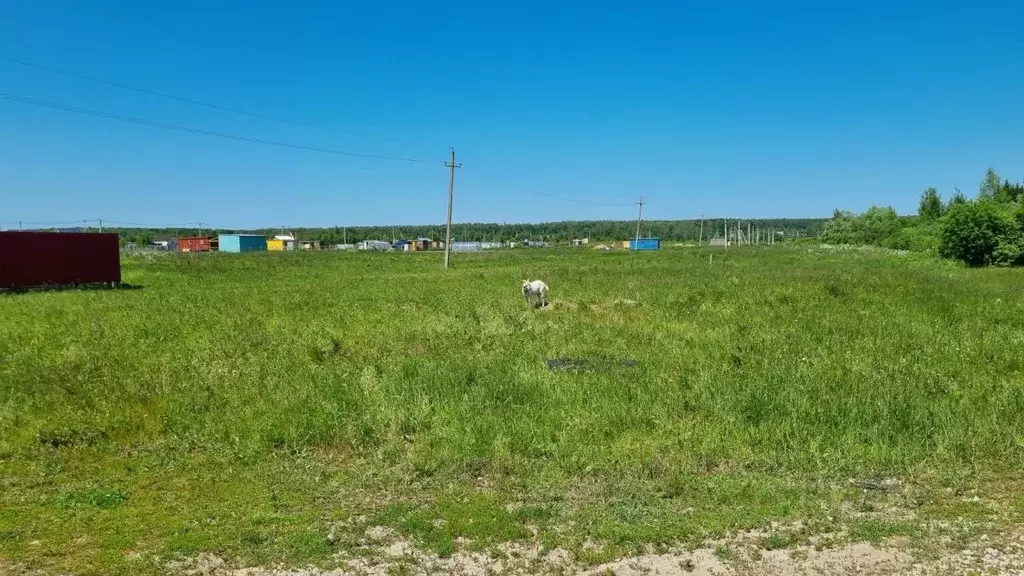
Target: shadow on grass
(17,291)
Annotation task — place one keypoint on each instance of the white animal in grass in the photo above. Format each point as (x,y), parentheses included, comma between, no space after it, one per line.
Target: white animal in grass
(535,289)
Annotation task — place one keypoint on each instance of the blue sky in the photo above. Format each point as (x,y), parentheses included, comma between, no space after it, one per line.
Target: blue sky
(734,108)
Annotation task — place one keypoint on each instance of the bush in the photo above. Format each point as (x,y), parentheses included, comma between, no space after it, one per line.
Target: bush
(1008,253)
(870,227)
(921,237)
(980,233)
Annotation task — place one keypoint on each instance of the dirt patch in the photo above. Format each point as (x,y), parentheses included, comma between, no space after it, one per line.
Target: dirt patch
(860,558)
(554,304)
(11,569)
(383,552)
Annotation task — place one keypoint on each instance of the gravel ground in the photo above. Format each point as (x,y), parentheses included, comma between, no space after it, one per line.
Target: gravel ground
(384,553)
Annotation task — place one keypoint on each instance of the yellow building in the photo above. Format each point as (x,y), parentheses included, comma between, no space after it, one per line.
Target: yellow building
(281,243)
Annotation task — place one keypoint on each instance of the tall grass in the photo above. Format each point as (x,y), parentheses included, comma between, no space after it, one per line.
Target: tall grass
(762,361)
(766,359)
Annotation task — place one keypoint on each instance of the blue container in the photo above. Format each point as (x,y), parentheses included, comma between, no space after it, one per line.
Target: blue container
(640,244)
(242,243)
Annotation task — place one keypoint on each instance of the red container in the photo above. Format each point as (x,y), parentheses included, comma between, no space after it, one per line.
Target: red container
(195,244)
(33,259)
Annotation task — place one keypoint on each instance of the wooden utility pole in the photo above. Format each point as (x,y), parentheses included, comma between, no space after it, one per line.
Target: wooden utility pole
(639,215)
(451,193)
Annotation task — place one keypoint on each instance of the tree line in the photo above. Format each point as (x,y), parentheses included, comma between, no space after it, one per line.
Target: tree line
(980,231)
(554,232)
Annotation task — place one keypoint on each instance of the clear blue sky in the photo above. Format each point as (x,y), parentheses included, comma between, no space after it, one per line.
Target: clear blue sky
(738,108)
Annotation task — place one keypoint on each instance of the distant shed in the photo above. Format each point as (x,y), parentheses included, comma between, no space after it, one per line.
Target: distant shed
(37,259)
(375,245)
(281,243)
(196,244)
(645,244)
(242,243)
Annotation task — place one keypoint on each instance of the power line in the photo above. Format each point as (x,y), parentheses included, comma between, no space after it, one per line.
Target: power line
(184,99)
(118,224)
(47,222)
(451,191)
(639,216)
(545,194)
(94,79)
(200,131)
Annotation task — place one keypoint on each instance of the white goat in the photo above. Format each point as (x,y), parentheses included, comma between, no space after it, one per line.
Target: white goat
(535,288)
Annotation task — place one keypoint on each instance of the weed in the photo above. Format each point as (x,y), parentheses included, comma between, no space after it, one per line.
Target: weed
(103,499)
(779,541)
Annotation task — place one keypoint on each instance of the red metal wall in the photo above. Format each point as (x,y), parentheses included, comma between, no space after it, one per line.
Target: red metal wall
(30,259)
(194,244)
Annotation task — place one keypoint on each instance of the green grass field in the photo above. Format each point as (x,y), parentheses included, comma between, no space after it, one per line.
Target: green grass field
(246,404)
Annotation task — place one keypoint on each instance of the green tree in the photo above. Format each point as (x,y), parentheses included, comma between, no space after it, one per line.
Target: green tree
(955,199)
(972,232)
(1013,192)
(870,227)
(991,186)
(930,207)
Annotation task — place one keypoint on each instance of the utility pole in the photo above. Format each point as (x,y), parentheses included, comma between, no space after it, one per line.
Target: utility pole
(451,193)
(639,216)
(725,228)
(101,226)
(701,239)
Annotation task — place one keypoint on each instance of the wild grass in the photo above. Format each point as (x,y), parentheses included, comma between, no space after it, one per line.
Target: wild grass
(244,404)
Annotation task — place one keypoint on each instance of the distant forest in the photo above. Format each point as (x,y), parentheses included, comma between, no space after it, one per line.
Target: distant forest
(596,230)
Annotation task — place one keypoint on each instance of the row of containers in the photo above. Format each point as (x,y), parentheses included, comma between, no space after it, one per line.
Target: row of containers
(259,243)
(238,243)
